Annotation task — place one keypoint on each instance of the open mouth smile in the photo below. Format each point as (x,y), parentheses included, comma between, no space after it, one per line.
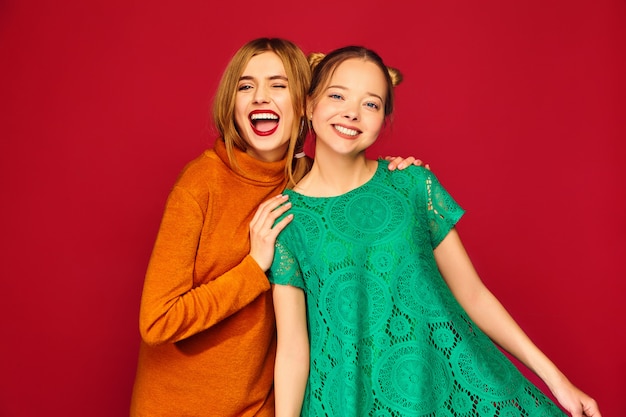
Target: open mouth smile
(346,131)
(264,122)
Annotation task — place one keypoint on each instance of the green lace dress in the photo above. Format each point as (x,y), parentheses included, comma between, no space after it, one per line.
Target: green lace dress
(387,336)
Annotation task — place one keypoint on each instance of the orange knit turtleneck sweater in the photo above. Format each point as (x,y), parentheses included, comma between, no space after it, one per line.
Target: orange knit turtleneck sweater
(206,318)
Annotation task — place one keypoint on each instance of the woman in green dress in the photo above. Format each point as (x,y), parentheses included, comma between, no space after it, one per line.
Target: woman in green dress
(379,309)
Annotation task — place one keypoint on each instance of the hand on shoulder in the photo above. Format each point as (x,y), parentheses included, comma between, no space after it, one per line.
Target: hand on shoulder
(401,163)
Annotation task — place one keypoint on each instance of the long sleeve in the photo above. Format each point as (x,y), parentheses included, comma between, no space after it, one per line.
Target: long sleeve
(173,307)
(206,316)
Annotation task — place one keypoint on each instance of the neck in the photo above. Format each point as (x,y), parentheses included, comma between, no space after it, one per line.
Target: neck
(333,175)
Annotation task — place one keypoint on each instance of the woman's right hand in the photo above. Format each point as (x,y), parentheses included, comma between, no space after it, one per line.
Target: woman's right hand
(262,234)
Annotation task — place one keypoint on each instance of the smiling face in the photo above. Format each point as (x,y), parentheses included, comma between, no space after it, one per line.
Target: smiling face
(349,113)
(263,108)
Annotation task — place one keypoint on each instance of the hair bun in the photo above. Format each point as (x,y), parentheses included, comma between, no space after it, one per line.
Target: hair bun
(396,76)
(315,58)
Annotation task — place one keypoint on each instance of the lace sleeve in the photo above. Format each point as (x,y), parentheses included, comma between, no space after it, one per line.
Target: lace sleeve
(285,269)
(443,211)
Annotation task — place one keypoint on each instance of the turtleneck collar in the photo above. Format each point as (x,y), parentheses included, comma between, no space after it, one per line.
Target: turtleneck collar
(251,169)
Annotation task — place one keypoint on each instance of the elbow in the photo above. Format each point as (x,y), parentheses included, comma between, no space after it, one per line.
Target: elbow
(150,336)
(153,332)
(294,354)
(159,323)
(306,368)
(304,356)
(301,355)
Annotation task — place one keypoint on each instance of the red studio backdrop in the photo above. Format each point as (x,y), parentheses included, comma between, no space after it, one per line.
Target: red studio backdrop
(519,108)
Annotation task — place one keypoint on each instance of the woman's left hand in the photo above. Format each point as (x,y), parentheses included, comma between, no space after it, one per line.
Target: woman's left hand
(576,402)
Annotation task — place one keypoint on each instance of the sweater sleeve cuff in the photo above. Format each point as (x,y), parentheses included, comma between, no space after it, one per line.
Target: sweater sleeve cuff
(257,277)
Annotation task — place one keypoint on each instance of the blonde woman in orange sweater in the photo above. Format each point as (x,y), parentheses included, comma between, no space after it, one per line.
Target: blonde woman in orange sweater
(206,318)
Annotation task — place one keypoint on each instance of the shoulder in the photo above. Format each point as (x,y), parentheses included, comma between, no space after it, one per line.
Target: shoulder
(199,170)
(413,182)
(198,179)
(411,174)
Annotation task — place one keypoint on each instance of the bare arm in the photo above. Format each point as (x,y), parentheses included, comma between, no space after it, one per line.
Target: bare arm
(291,369)
(493,319)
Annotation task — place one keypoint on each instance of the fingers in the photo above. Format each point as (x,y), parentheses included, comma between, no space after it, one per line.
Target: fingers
(263,231)
(268,212)
(590,408)
(267,206)
(394,162)
(576,402)
(278,227)
(401,163)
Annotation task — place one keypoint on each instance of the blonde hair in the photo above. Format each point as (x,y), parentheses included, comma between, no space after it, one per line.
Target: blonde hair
(298,74)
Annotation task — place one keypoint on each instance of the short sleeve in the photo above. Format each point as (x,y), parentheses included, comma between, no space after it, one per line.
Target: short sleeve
(285,269)
(443,211)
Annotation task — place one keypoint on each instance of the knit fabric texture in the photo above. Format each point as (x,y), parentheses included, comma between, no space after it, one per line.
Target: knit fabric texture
(207,318)
(387,336)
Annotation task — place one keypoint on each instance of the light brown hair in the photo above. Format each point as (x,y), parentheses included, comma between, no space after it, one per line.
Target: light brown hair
(298,74)
(324,66)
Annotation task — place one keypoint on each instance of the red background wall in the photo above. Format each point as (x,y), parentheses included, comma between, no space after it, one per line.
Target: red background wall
(518,106)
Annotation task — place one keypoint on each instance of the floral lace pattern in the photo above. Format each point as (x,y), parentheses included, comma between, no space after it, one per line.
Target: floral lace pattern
(387,336)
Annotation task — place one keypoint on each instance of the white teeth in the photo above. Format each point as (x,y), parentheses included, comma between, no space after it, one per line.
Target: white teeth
(263,116)
(346,131)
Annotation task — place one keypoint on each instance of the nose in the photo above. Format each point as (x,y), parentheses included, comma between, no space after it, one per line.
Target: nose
(351,111)
(261,95)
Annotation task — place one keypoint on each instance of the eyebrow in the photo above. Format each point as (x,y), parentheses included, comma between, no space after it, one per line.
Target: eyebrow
(273,77)
(345,88)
